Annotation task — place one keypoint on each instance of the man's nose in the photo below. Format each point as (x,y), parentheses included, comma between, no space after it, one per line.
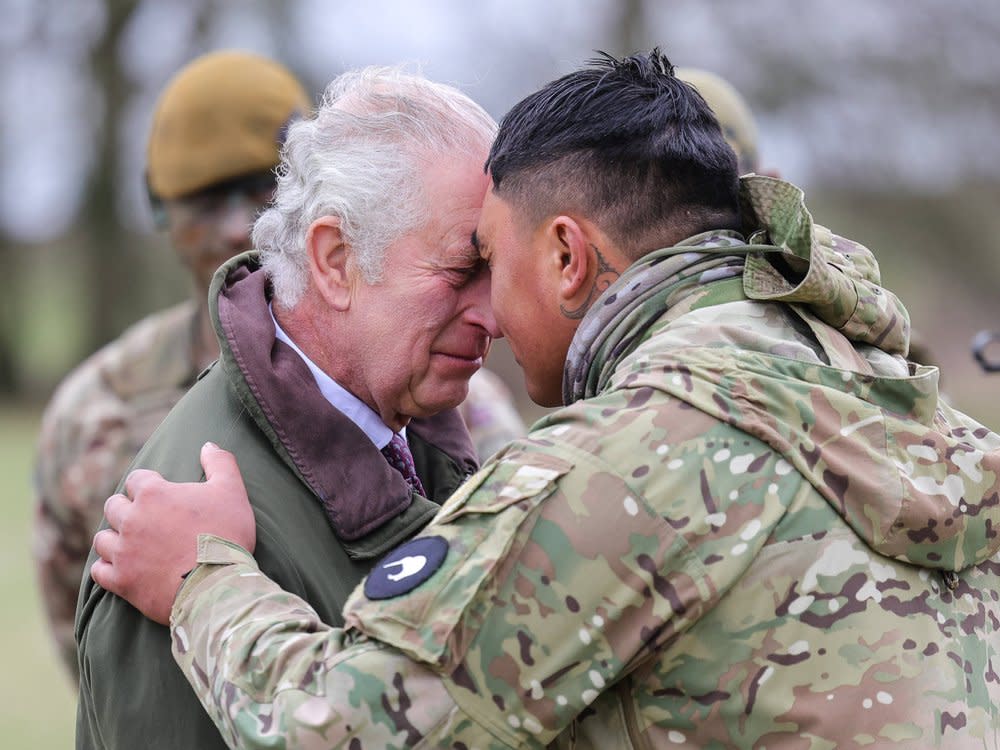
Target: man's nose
(480,311)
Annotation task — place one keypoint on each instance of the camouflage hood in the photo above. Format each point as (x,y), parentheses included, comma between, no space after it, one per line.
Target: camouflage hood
(791,338)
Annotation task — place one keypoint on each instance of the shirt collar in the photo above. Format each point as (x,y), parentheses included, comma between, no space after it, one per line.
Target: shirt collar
(343,400)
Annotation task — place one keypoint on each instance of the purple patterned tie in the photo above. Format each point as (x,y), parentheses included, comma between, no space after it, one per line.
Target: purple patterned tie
(397,453)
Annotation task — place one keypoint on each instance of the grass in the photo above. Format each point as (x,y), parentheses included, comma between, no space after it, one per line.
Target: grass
(37,701)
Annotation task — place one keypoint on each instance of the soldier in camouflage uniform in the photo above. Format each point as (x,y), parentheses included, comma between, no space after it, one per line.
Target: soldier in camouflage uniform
(738,125)
(752,524)
(740,130)
(206,184)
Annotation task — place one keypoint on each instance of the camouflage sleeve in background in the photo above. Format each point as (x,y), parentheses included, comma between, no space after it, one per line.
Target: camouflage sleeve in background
(83,451)
(99,417)
(490,414)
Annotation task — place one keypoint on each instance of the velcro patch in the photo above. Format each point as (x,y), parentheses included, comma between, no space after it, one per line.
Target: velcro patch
(406,567)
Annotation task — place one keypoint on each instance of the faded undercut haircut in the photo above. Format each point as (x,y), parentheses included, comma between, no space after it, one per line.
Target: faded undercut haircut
(625,143)
(360,158)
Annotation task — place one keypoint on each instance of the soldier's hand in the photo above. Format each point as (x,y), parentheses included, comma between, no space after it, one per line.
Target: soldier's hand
(152,540)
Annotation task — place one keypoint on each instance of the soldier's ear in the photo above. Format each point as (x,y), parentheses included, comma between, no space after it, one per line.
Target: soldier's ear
(568,247)
(585,260)
(329,265)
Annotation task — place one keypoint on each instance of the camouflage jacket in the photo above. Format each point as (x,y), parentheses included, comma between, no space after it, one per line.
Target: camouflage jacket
(97,420)
(753,526)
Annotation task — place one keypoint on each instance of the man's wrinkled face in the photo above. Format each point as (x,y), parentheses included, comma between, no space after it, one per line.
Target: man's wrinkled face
(524,279)
(426,327)
(209,227)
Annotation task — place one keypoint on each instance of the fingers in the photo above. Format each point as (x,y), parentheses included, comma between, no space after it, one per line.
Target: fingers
(104,575)
(228,507)
(106,543)
(218,464)
(116,508)
(139,479)
(103,571)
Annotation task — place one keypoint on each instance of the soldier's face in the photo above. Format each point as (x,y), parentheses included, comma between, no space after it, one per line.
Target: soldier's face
(426,327)
(525,276)
(208,228)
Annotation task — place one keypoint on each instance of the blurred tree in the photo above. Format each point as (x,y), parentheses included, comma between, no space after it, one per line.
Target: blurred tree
(119,294)
(8,352)
(106,269)
(631,22)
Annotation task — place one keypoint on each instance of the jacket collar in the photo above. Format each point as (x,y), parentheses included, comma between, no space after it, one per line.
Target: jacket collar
(358,490)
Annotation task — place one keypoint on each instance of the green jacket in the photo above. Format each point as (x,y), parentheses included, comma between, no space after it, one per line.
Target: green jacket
(96,422)
(326,502)
(753,525)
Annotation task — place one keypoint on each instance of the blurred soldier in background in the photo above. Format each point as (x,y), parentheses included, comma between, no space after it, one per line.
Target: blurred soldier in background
(213,145)
(733,113)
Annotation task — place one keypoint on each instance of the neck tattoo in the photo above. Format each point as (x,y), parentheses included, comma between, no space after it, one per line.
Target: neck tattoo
(604,278)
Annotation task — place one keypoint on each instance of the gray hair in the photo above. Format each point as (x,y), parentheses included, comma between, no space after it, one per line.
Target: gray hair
(358,159)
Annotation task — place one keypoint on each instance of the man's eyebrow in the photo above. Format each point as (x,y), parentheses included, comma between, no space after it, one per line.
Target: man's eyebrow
(465,259)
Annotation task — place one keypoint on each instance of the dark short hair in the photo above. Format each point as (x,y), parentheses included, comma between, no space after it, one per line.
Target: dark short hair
(626,143)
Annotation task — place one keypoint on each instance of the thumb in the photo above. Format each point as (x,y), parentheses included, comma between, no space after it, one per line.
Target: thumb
(224,484)
(218,464)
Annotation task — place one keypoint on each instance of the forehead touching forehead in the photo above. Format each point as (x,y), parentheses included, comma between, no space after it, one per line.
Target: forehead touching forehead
(452,191)
(500,223)
(357,160)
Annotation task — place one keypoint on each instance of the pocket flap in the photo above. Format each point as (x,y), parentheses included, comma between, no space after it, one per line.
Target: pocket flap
(482,523)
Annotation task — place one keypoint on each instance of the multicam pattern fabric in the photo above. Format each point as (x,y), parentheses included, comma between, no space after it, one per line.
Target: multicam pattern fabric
(753,528)
(99,417)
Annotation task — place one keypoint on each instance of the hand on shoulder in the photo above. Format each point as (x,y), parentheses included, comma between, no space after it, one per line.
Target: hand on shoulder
(151,542)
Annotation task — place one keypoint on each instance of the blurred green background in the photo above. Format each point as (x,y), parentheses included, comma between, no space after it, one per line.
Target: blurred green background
(887,115)
(37,707)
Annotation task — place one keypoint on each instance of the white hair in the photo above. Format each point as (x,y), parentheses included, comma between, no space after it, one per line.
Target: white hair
(358,158)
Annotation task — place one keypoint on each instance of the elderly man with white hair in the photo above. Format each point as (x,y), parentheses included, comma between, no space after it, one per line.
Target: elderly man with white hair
(345,346)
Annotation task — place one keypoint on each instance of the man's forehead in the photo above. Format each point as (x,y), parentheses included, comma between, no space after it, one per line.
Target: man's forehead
(494,210)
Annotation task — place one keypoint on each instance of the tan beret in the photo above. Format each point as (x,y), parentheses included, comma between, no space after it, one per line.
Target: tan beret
(222,116)
(732,112)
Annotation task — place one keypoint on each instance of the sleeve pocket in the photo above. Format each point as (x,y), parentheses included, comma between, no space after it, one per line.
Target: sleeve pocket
(483,523)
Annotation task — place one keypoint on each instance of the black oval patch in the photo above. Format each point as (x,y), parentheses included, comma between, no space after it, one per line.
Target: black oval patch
(406,567)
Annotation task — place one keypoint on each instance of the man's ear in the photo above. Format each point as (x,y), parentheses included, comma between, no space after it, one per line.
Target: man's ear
(567,242)
(328,261)
(586,262)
